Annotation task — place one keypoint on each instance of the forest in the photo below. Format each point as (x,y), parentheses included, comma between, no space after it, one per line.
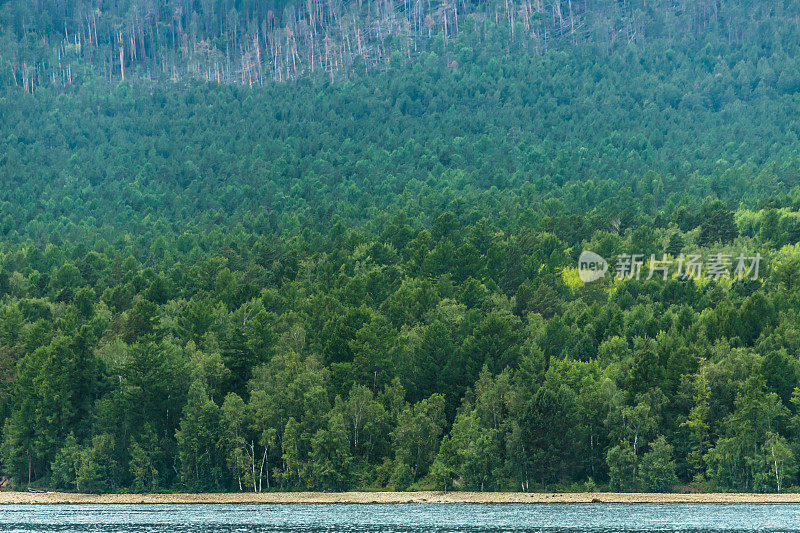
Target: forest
(360,272)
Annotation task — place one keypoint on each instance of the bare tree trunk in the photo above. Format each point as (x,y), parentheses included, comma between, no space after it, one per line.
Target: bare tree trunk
(122,61)
(261,473)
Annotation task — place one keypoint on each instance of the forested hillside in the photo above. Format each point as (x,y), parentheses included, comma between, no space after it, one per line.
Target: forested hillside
(358,277)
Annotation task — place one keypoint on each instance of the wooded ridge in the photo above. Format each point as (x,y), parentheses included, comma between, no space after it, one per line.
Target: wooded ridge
(341,269)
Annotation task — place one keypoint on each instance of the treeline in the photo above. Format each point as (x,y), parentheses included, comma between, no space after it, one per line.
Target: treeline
(56,42)
(372,283)
(454,356)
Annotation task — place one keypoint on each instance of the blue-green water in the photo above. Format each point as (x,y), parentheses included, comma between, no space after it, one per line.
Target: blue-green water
(417,518)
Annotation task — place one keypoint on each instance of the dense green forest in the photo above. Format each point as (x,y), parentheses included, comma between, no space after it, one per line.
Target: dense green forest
(363,274)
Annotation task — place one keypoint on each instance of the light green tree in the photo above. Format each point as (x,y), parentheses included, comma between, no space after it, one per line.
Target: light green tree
(697,422)
(657,468)
(621,463)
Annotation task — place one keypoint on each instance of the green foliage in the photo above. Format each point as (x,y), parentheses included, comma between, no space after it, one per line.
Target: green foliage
(330,456)
(697,423)
(657,469)
(365,283)
(621,467)
(66,465)
(416,439)
(198,441)
(751,456)
(717,224)
(98,470)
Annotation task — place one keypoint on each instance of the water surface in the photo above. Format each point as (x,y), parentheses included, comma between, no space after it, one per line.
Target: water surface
(390,518)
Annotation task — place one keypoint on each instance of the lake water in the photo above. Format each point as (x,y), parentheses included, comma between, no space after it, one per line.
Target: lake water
(389,518)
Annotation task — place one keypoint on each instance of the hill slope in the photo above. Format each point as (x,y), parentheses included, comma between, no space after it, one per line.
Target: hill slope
(371,282)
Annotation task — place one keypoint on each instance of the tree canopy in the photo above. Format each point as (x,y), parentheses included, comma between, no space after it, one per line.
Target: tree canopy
(362,273)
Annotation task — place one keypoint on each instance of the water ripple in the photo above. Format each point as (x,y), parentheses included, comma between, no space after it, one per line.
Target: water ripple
(405,518)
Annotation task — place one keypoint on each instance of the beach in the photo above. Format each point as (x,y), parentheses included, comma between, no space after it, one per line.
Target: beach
(7,498)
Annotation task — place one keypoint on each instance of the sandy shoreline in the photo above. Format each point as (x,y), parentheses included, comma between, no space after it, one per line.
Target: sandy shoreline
(392,497)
